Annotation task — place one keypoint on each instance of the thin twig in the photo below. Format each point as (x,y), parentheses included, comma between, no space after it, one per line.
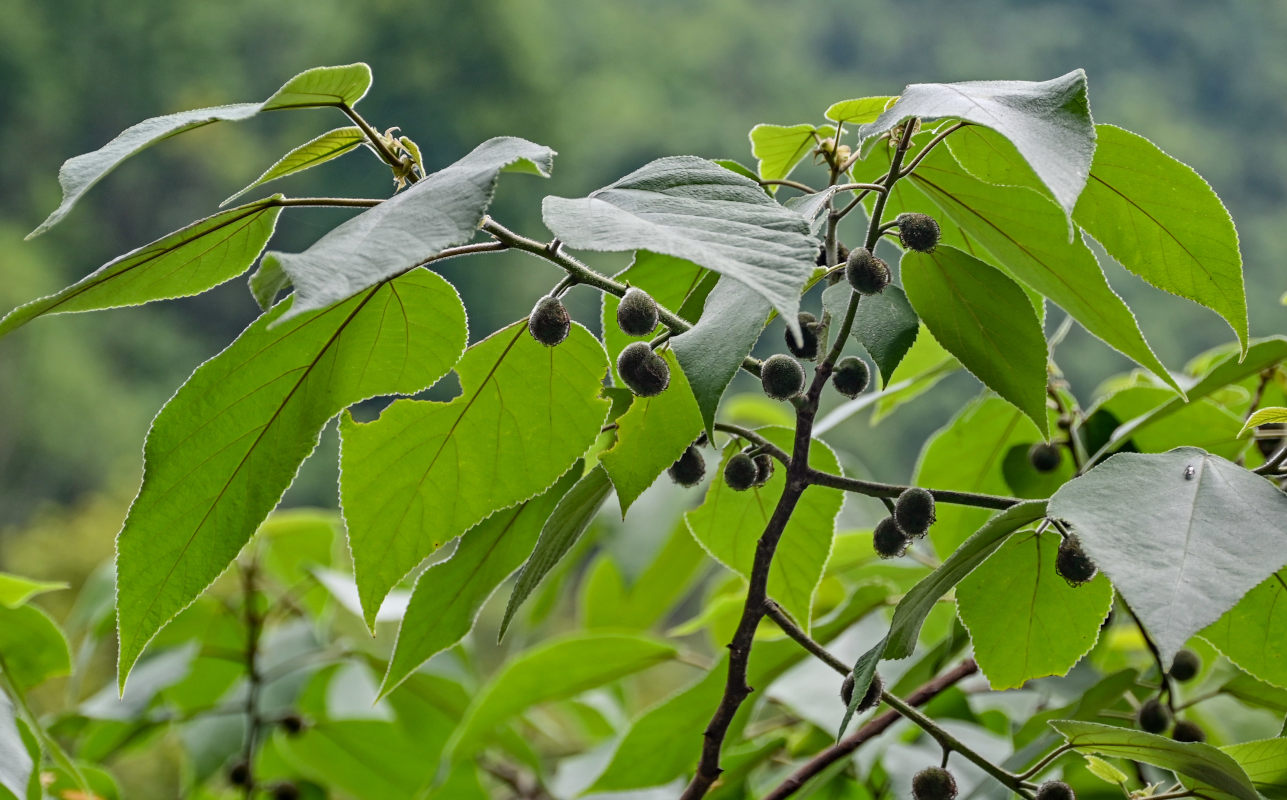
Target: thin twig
(883,490)
(804,187)
(930,145)
(755,438)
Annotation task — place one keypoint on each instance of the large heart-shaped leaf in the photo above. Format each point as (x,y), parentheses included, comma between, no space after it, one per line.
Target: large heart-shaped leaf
(226,446)
(314,88)
(1265,762)
(691,208)
(1048,122)
(426,472)
(1182,535)
(437,212)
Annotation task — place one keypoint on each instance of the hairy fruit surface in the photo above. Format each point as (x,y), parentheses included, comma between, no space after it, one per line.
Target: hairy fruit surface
(1186,666)
(1045,457)
(1188,731)
(866,273)
(888,539)
(933,783)
(550,322)
(917,232)
(1072,563)
(809,329)
(1055,790)
(689,468)
(740,472)
(914,511)
(782,377)
(1153,716)
(637,313)
(646,373)
(851,376)
(763,468)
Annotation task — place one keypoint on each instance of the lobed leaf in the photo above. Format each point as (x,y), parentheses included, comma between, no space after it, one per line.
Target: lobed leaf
(224,449)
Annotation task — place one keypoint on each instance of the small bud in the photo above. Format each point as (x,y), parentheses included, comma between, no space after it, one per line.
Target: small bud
(689,468)
(850,376)
(914,511)
(1072,564)
(1153,716)
(637,313)
(933,783)
(1055,790)
(842,255)
(740,472)
(763,468)
(645,372)
(917,232)
(549,323)
(808,348)
(239,774)
(293,724)
(888,540)
(782,377)
(866,273)
(1188,731)
(1045,457)
(1186,665)
(285,790)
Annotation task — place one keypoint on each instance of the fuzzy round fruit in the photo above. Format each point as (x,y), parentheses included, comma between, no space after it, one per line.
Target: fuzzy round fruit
(1187,731)
(850,376)
(550,322)
(1153,716)
(740,472)
(285,790)
(782,377)
(914,511)
(293,724)
(763,468)
(889,540)
(637,313)
(689,468)
(917,232)
(842,253)
(1045,457)
(866,273)
(808,347)
(1055,790)
(869,699)
(1072,564)
(645,372)
(933,783)
(1186,665)
(239,774)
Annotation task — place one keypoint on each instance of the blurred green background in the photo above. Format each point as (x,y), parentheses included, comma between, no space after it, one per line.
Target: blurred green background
(610,85)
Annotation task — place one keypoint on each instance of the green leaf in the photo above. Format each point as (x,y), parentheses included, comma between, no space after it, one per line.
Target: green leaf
(651,435)
(886,326)
(1256,693)
(449,594)
(561,531)
(184,263)
(1215,772)
(1105,771)
(911,611)
(558,669)
(1025,234)
(728,524)
(711,352)
(1264,416)
(17,761)
(690,208)
(426,472)
(366,759)
(16,590)
(267,282)
(859,111)
(32,648)
(329,145)
(1048,122)
(1160,527)
(1163,222)
(1253,634)
(1265,762)
(439,211)
(226,446)
(984,319)
(1024,620)
(317,87)
(1200,423)
(780,148)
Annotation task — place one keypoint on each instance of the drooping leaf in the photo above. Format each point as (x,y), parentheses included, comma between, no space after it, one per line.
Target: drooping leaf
(1253,634)
(1025,621)
(426,472)
(780,148)
(1206,768)
(886,326)
(1265,762)
(329,145)
(1264,416)
(184,263)
(560,533)
(449,594)
(558,669)
(983,318)
(712,351)
(651,435)
(858,111)
(1047,121)
(911,611)
(226,446)
(32,648)
(690,208)
(1023,232)
(1160,526)
(1163,222)
(16,590)
(267,282)
(728,524)
(313,88)
(439,211)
